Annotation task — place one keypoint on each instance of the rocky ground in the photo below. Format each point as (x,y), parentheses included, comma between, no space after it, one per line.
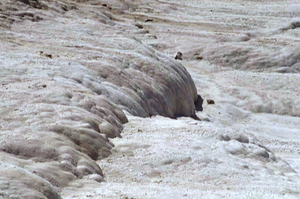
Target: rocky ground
(73,73)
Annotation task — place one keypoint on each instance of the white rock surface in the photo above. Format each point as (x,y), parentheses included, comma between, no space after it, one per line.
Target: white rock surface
(67,71)
(164,158)
(244,55)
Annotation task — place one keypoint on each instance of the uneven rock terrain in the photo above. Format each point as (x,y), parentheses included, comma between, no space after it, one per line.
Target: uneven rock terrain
(67,71)
(75,73)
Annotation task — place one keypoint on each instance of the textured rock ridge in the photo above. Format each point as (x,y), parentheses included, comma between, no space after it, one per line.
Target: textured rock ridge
(68,70)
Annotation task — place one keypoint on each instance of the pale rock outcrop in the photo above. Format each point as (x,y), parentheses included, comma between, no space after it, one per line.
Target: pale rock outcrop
(59,108)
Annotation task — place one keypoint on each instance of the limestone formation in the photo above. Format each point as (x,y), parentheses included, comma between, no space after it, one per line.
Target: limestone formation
(58,111)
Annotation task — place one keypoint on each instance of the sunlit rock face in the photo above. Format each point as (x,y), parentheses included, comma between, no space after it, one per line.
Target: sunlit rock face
(68,70)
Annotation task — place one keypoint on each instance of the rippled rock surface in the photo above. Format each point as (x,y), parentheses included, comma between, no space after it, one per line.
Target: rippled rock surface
(68,70)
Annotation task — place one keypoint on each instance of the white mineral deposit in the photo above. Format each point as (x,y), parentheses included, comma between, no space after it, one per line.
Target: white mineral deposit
(152,99)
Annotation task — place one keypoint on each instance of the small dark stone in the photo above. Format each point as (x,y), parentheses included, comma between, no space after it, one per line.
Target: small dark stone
(148,20)
(198,57)
(44,85)
(104,4)
(198,103)
(64,8)
(210,101)
(139,26)
(48,55)
(178,56)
